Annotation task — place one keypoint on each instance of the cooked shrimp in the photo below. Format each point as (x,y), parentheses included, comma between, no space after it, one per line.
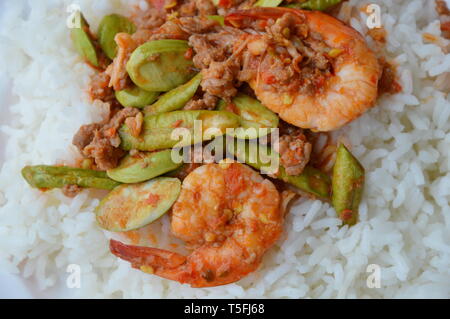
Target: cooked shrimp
(343,94)
(229,213)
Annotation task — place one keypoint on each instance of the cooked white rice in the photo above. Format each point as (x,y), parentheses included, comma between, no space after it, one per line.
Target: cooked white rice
(404,144)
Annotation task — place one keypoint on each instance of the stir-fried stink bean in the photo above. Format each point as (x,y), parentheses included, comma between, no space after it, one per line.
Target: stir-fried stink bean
(348,183)
(219,19)
(253,115)
(161,65)
(158,129)
(143,166)
(262,157)
(133,206)
(48,177)
(319,5)
(175,99)
(136,97)
(268,3)
(83,42)
(107,30)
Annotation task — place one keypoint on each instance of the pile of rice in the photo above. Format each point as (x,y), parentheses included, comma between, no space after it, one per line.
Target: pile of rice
(404,144)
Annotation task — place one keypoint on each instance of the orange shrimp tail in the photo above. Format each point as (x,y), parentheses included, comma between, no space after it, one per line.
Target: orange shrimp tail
(172,266)
(146,256)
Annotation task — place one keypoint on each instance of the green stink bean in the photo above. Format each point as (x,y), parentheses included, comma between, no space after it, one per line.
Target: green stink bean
(268,3)
(133,206)
(213,152)
(319,5)
(48,177)
(160,65)
(158,129)
(136,97)
(175,99)
(219,19)
(83,42)
(262,157)
(253,115)
(107,30)
(143,166)
(348,184)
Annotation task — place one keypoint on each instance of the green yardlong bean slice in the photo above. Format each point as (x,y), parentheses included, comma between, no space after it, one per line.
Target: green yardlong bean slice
(268,3)
(253,116)
(348,184)
(83,42)
(143,167)
(219,19)
(175,99)
(158,129)
(136,97)
(319,5)
(133,206)
(49,177)
(107,30)
(161,65)
(262,157)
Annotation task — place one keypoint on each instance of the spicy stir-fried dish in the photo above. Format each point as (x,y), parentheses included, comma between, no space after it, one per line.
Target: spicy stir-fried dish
(269,81)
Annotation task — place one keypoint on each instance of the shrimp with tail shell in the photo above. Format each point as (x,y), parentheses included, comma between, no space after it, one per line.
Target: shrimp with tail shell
(348,92)
(229,214)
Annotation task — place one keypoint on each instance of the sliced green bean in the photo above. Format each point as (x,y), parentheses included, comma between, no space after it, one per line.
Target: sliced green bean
(83,42)
(136,97)
(161,65)
(49,177)
(219,19)
(348,184)
(253,116)
(263,158)
(133,206)
(268,3)
(107,30)
(319,5)
(158,129)
(143,167)
(175,99)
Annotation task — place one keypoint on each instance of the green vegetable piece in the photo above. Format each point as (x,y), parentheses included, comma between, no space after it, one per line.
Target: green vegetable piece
(49,177)
(253,116)
(107,30)
(220,19)
(311,180)
(134,206)
(319,5)
(268,3)
(136,97)
(348,184)
(175,99)
(262,157)
(161,65)
(83,42)
(193,126)
(142,167)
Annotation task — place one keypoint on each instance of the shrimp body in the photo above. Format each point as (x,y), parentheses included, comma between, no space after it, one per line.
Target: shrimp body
(229,214)
(347,93)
